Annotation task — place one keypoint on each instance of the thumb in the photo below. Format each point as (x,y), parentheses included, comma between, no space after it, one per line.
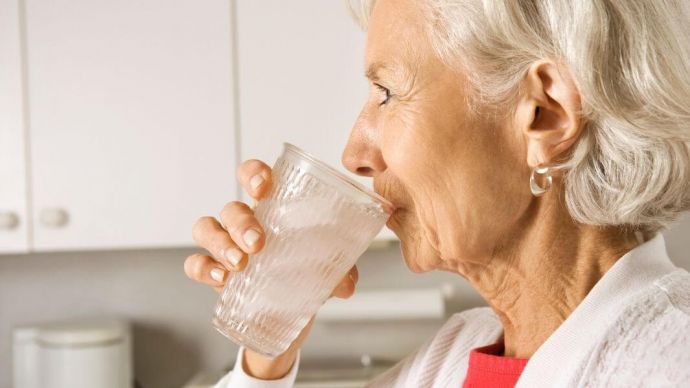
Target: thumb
(347,285)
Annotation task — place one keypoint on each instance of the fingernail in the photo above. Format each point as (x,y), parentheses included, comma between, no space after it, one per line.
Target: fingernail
(256,181)
(250,237)
(233,255)
(217,274)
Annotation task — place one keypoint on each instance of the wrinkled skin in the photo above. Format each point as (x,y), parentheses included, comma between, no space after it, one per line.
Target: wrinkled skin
(459,179)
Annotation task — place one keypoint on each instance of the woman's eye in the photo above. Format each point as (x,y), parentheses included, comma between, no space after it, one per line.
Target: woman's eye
(385,94)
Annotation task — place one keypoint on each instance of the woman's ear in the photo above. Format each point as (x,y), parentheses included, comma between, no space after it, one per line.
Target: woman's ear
(549,112)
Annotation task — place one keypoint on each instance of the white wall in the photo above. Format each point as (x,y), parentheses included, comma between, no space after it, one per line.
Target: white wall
(173,337)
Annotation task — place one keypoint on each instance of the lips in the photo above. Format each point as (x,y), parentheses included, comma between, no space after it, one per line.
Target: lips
(388,223)
(395,205)
(391,220)
(378,186)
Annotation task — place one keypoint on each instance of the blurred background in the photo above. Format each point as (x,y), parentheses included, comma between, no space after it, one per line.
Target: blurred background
(121,123)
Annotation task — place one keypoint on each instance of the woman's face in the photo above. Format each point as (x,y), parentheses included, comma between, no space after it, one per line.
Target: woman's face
(459,178)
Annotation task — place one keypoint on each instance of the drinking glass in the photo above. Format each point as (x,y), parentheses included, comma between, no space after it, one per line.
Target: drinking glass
(317,223)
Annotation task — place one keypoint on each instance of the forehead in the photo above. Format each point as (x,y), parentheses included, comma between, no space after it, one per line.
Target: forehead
(396,38)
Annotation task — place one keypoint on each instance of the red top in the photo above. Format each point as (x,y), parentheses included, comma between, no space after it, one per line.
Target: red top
(489,368)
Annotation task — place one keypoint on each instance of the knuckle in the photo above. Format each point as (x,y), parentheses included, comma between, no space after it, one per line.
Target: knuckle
(237,215)
(199,227)
(240,170)
(218,242)
(255,164)
(244,220)
(235,207)
(251,167)
(247,166)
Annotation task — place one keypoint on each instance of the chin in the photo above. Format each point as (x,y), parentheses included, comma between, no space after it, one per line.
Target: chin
(417,259)
(414,267)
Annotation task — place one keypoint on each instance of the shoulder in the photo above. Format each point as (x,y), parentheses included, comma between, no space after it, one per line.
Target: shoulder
(439,361)
(659,316)
(676,288)
(649,344)
(665,302)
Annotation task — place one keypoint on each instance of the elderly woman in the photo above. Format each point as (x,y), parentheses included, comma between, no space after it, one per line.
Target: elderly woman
(535,148)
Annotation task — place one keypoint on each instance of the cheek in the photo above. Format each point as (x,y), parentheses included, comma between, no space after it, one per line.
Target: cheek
(414,165)
(407,146)
(462,196)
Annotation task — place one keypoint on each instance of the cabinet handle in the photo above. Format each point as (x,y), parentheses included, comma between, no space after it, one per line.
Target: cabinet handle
(54,217)
(8,220)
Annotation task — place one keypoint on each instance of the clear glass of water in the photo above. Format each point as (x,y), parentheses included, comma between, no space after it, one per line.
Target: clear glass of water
(317,223)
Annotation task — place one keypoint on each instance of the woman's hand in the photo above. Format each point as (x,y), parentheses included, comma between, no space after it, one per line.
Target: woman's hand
(229,241)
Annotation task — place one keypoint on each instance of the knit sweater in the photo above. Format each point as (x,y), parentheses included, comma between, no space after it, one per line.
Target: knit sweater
(632,329)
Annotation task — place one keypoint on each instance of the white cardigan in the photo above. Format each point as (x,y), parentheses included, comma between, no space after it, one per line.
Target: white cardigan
(632,330)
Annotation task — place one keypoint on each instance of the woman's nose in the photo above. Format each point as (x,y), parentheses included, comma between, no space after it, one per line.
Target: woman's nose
(362,154)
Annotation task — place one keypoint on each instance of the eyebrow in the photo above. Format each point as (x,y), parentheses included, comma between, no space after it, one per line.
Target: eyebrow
(372,71)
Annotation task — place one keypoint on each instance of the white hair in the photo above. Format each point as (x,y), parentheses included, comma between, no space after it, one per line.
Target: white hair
(631,62)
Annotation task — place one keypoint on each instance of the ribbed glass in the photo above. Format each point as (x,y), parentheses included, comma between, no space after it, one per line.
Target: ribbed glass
(317,223)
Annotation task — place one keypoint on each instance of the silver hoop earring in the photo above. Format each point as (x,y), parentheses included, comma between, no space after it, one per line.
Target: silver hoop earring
(542,172)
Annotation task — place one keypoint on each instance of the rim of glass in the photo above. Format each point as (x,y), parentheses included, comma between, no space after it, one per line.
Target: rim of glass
(387,205)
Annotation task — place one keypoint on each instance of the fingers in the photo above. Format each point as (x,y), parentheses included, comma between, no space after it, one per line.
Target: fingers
(346,287)
(243,227)
(206,270)
(210,235)
(255,177)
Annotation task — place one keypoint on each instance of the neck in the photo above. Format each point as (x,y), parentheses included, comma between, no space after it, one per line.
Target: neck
(539,275)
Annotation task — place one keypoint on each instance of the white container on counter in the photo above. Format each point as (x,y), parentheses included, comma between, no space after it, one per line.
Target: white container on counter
(73,355)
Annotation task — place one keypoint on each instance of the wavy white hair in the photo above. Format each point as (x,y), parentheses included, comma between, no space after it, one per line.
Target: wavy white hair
(631,62)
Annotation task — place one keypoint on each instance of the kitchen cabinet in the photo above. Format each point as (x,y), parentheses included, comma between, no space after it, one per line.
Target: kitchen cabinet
(131,120)
(300,78)
(14,226)
(118,124)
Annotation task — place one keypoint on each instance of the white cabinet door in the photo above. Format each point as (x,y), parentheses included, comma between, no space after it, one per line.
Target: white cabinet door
(131,120)
(13,198)
(301,78)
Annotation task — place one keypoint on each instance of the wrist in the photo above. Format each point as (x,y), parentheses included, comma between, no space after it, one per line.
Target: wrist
(266,368)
